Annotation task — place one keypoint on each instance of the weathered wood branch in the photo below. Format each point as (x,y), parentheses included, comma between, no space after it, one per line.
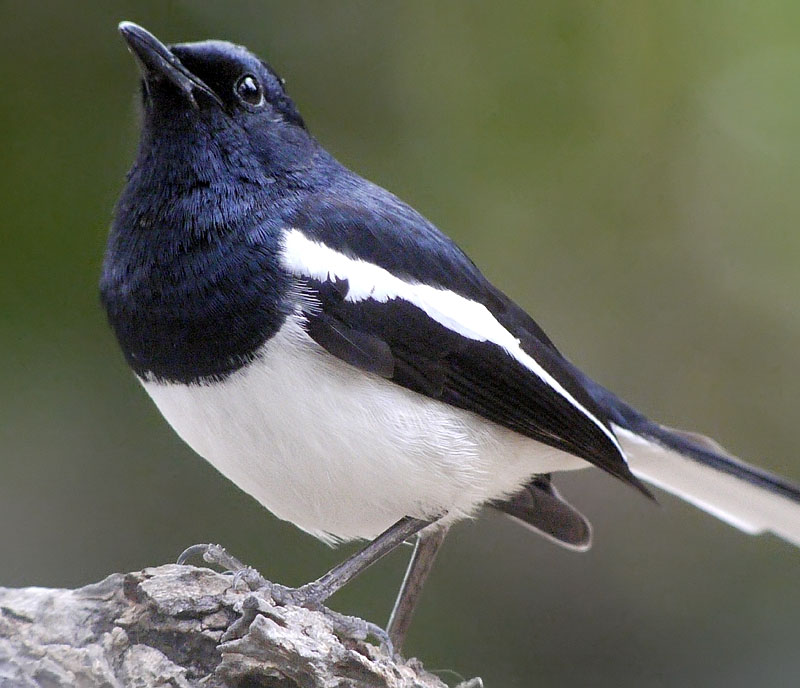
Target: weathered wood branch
(182,626)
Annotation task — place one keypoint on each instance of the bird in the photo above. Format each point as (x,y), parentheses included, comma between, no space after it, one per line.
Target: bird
(335,355)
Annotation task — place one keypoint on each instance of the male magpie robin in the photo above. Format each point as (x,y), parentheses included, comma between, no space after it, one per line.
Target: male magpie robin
(329,350)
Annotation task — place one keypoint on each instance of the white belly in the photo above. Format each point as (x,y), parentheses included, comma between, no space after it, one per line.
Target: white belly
(344,454)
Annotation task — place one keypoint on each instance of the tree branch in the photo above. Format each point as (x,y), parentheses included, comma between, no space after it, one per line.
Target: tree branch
(182,626)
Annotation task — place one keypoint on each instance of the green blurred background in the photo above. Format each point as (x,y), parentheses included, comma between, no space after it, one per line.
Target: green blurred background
(629,172)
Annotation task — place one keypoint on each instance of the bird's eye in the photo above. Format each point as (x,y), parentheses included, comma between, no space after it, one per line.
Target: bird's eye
(249,90)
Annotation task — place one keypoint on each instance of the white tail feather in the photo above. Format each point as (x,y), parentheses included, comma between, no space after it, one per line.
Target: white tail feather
(745,505)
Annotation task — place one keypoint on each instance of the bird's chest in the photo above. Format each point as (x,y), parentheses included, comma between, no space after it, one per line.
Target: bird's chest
(201,314)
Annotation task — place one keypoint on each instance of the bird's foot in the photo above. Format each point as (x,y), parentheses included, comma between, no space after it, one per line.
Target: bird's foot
(219,556)
(342,625)
(311,596)
(356,628)
(308,595)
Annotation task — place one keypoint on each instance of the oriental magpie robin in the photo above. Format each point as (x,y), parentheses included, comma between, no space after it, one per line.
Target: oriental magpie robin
(329,350)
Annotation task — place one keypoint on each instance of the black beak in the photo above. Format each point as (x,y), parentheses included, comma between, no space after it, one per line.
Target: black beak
(156,61)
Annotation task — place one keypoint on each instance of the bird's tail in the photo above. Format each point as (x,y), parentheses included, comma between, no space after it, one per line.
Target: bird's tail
(700,471)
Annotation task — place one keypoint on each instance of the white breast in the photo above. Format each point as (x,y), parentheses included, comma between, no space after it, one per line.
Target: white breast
(341,453)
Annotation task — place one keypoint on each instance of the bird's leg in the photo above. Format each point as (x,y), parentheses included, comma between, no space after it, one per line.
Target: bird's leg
(312,594)
(315,593)
(420,565)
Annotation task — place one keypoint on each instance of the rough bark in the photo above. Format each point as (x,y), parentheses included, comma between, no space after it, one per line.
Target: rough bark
(182,626)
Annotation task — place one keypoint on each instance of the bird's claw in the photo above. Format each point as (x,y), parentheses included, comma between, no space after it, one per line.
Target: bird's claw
(218,555)
(212,554)
(358,629)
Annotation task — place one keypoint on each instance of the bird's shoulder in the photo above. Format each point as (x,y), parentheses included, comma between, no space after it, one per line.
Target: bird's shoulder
(369,223)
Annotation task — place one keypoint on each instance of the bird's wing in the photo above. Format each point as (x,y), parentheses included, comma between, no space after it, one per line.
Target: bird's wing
(388,293)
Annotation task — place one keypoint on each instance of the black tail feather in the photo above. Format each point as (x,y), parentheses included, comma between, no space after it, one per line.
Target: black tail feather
(539,506)
(700,471)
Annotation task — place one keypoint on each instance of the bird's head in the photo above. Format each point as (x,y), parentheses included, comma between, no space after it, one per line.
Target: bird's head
(218,104)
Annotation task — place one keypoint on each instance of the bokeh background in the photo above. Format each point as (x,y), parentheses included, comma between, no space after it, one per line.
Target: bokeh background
(629,172)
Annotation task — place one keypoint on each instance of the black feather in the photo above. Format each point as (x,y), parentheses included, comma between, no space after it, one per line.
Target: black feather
(540,506)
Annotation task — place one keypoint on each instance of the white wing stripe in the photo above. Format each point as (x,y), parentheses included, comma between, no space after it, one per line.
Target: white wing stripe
(470,319)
